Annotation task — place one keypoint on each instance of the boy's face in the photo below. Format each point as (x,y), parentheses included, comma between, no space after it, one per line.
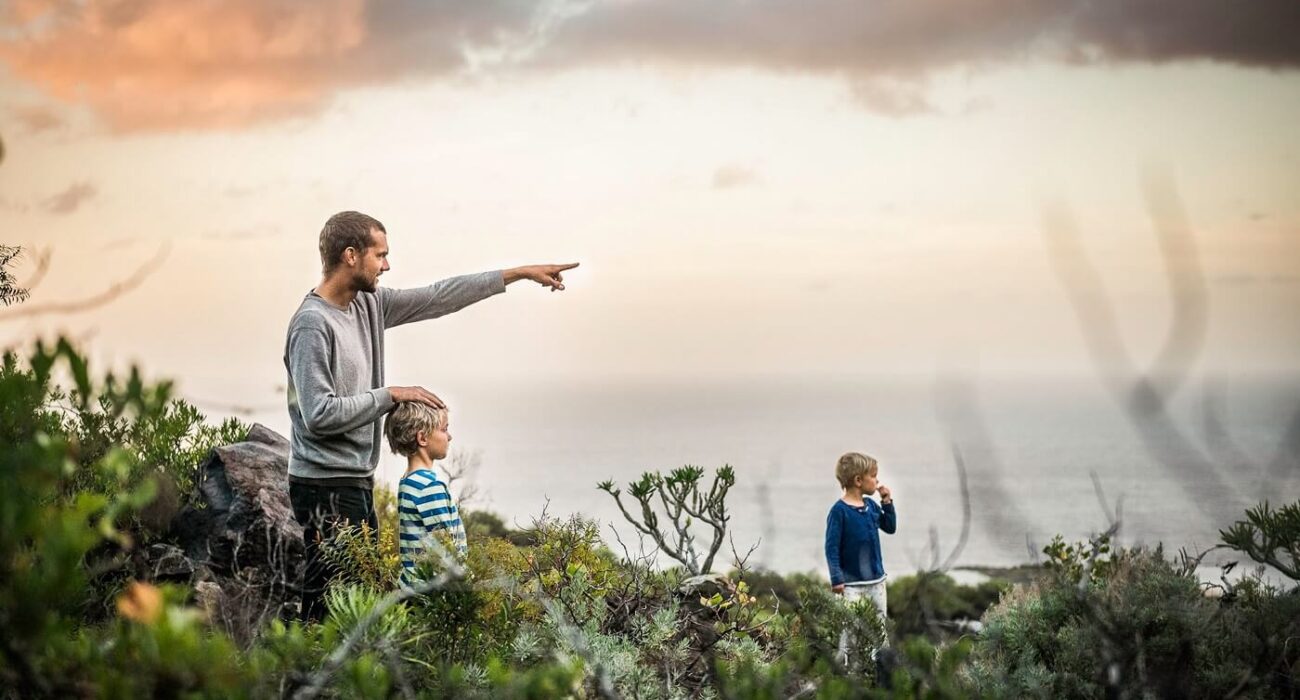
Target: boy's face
(868,482)
(437,441)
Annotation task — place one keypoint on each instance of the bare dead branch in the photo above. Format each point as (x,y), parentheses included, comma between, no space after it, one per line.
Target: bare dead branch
(962,418)
(1187,288)
(460,468)
(107,296)
(43,258)
(1285,465)
(740,561)
(955,554)
(1143,396)
(1218,441)
(1112,520)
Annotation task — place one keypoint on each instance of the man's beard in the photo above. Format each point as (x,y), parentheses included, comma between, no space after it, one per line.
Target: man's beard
(362,283)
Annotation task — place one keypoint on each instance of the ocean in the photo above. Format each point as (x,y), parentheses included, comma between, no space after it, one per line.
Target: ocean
(1040,458)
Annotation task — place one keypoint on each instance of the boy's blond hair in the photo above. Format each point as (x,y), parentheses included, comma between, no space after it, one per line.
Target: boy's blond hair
(408,419)
(852,465)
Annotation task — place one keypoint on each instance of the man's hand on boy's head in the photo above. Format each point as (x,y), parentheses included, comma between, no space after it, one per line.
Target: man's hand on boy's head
(885,494)
(415,393)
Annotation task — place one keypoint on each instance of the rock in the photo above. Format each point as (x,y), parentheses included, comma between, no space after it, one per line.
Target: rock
(707,585)
(163,562)
(244,518)
(210,599)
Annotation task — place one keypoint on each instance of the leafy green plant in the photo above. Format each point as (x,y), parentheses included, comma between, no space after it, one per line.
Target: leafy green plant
(930,603)
(1269,537)
(60,529)
(364,557)
(1139,626)
(1076,562)
(685,503)
(10,292)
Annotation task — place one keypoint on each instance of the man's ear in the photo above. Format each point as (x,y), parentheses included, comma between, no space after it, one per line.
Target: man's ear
(350,256)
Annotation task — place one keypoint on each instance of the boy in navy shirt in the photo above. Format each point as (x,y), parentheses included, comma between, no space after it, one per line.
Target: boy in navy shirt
(853,531)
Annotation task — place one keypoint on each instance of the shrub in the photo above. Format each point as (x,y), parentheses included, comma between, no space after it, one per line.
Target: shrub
(1269,537)
(59,516)
(929,603)
(1142,626)
(684,503)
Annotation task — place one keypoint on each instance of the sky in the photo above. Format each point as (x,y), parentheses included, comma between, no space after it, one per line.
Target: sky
(752,187)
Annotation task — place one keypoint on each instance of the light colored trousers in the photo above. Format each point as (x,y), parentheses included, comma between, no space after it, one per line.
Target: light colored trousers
(876,592)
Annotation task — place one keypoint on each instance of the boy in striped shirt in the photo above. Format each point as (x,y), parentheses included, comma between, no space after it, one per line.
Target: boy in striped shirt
(425,508)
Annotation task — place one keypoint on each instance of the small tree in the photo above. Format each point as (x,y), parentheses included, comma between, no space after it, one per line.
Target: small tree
(10,292)
(685,505)
(1269,537)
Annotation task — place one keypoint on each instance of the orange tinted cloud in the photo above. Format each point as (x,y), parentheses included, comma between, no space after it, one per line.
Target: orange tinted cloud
(186,63)
(157,64)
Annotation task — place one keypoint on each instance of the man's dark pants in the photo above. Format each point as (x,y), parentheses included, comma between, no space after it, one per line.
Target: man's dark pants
(322,510)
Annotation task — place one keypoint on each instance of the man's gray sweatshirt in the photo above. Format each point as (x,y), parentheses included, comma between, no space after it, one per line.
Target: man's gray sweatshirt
(335,359)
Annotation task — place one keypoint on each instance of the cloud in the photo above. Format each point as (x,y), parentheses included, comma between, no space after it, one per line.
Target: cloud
(171,64)
(893,98)
(732,176)
(908,38)
(71,199)
(35,119)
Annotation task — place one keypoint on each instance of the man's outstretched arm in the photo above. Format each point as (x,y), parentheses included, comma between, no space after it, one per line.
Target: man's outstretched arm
(450,295)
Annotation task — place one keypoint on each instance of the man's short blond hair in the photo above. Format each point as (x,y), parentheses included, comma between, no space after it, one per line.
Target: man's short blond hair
(852,465)
(409,419)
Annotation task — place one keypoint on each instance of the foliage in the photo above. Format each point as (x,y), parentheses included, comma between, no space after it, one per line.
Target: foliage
(482,524)
(684,504)
(53,537)
(163,445)
(364,557)
(1269,537)
(170,443)
(1076,561)
(781,591)
(1132,624)
(929,672)
(10,292)
(931,603)
(550,611)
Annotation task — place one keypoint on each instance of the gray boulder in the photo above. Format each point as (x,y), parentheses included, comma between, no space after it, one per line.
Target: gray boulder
(244,518)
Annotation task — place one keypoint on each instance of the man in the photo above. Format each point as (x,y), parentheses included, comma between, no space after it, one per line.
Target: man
(334,353)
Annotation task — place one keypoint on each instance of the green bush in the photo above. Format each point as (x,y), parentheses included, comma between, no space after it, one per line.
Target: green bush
(551,611)
(60,511)
(1140,627)
(930,603)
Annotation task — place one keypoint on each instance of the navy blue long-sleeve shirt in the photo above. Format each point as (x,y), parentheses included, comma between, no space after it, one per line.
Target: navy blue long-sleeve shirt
(853,540)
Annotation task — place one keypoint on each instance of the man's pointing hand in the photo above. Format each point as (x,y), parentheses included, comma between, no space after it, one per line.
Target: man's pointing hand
(545,275)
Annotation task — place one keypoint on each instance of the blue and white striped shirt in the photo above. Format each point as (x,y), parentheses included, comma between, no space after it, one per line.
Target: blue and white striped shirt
(424,508)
